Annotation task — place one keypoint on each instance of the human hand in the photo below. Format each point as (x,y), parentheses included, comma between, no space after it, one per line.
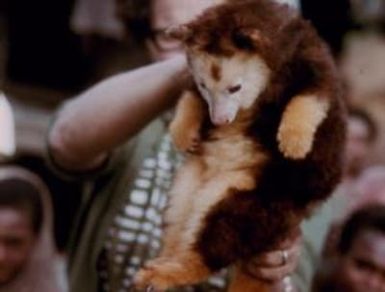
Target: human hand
(275,265)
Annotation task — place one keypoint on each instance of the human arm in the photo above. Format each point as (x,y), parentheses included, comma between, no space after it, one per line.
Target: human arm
(7,133)
(90,126)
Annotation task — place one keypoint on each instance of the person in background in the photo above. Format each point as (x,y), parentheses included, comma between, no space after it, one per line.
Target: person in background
(368,190)
(119,226)
(361,136)
(360,264)
(28,259)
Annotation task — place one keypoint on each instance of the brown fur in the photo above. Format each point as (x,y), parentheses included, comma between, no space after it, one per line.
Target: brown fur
(251,183)
(244,282)
(216,72)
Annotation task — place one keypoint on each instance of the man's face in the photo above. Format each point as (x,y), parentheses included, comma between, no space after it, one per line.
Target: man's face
(166,13)
(357,145)
(16,243)
(363,267)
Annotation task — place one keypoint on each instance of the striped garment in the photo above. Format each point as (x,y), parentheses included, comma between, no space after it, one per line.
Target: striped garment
(135,235)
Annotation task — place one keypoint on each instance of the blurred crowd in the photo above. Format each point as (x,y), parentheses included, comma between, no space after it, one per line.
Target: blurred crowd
(86,94)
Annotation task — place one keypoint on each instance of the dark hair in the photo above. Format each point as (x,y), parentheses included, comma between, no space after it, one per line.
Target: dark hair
(368,218)
(21,195)
(364,116)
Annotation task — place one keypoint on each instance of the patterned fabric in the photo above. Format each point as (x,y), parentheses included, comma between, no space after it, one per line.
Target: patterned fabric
(135,235)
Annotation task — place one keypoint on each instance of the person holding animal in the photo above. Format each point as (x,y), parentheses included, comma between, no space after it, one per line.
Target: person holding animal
(267,109)
(82,144)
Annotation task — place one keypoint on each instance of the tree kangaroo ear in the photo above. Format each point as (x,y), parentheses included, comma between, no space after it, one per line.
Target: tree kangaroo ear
(249,38)
(178,32)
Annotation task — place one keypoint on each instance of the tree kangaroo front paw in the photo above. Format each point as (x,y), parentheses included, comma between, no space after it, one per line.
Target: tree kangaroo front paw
(295,142)
(299,124)
(185,137)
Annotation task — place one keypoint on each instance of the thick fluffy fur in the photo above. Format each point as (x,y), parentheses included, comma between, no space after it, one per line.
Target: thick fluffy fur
(253,180)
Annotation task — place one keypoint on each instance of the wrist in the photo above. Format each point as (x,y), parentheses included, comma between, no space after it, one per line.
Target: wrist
(181,71)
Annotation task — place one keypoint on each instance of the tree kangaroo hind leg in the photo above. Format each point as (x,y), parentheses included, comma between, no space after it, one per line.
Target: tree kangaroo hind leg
(186,265)
(163,274)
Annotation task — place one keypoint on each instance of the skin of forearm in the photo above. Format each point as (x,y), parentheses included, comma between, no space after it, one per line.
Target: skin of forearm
(91,125)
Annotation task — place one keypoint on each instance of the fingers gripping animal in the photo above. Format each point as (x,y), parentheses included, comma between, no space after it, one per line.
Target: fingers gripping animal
(265,123)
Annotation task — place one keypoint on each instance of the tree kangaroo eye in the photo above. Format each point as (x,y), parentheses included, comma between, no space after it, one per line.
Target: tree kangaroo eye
(234,89)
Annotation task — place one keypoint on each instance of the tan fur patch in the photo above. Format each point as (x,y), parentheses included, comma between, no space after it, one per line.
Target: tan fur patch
(183,189)
(220,169)
(207,179)
(208,195)
(299,124)
(232,153)
(207,187)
